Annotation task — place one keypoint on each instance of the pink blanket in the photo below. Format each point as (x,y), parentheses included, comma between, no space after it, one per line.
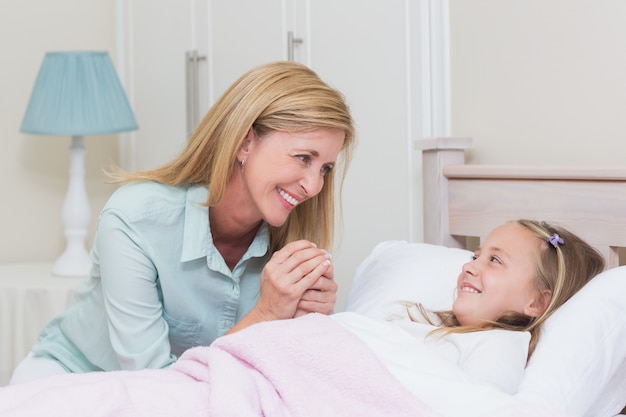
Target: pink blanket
(309,366)
(304,367)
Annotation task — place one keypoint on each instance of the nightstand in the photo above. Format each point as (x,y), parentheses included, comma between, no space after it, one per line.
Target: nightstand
(30,296)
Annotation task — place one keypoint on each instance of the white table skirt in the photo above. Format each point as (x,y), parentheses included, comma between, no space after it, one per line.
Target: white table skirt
(30,296)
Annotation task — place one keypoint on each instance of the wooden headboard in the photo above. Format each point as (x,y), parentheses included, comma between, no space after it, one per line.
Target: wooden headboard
(469,200)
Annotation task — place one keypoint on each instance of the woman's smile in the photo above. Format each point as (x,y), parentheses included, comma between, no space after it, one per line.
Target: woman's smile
(290,199)
(283,169)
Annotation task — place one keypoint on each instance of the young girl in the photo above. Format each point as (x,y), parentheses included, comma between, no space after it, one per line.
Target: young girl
(522,272)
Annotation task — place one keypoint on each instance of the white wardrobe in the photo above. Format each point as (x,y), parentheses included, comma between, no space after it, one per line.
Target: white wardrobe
(177,56)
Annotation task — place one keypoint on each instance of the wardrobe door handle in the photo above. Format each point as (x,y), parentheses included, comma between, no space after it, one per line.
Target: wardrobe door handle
(192,84)
(291,44)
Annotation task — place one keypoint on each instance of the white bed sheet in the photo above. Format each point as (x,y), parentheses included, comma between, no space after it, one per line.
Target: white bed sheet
(434,376)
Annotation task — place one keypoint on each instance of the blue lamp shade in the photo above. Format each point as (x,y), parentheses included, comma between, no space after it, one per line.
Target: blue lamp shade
(77,93)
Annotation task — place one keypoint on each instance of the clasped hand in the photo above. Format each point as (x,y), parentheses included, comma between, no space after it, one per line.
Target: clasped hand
(298,279)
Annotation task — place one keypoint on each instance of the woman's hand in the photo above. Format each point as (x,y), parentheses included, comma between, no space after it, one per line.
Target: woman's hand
(299,277)
(320,297)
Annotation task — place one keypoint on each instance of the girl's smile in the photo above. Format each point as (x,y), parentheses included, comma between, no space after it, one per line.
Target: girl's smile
(500,277)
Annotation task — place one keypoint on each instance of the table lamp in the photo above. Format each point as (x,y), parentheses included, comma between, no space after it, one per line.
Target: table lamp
(77,93)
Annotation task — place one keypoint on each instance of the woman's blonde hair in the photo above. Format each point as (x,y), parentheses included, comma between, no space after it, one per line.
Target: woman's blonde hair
(277,96)
(561,268)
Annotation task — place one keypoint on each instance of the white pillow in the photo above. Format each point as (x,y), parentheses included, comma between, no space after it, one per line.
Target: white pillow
(579,365)
(399,271)
(583,344)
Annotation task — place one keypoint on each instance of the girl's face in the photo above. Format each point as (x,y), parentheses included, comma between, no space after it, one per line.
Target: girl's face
(281,169)
(500,278)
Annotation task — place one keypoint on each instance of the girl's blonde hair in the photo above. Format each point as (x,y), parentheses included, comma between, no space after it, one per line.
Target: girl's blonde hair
(278,96)
(562,268)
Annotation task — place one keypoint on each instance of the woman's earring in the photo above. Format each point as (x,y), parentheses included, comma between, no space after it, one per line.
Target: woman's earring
(243,161)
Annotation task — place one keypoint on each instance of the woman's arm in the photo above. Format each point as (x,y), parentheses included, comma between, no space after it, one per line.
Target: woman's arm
(137,329)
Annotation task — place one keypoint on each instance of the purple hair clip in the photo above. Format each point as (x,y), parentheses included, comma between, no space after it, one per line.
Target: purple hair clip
(555,240)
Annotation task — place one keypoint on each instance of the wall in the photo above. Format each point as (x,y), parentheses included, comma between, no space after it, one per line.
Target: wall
(540,81)
(34,169)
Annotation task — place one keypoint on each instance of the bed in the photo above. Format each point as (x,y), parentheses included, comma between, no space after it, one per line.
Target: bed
(312,366)
(579,366)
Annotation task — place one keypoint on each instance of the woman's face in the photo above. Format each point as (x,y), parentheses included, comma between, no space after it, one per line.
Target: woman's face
(281,169)
(500,278)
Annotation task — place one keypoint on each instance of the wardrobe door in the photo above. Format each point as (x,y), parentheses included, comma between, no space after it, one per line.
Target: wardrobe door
(244,34)
(165,87)
(362,47)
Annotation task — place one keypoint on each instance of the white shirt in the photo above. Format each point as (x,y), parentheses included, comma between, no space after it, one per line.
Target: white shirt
(439,368)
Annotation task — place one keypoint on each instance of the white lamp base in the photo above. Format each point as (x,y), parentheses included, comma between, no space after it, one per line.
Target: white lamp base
(75,261)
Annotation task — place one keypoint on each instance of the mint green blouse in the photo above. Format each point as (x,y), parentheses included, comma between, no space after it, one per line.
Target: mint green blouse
(157,287)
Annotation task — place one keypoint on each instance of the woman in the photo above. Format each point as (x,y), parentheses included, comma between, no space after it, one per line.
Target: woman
(229,233)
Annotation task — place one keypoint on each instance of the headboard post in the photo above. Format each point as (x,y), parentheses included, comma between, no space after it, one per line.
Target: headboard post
(437,153)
